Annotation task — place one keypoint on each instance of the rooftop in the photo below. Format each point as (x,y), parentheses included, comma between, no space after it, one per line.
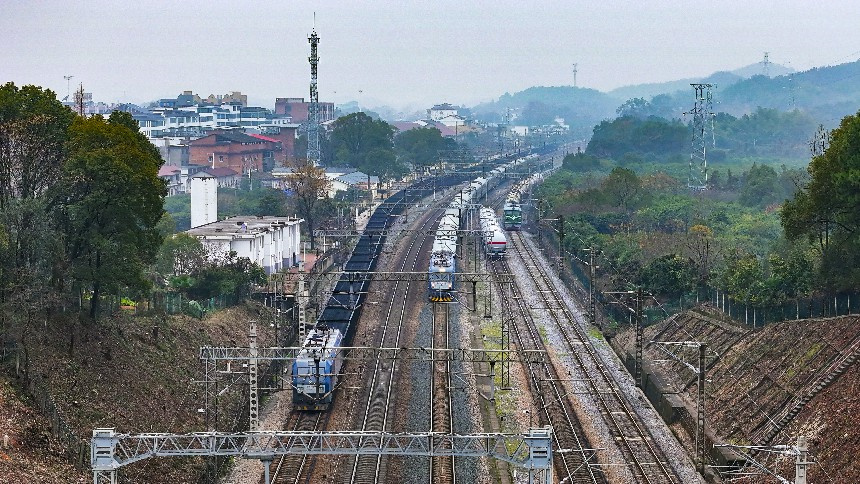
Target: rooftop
(242,225)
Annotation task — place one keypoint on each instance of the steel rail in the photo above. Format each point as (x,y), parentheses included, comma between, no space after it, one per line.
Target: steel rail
(648,463)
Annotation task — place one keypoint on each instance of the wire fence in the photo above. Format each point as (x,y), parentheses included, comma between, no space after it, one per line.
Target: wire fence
(75,449)
(170,303)
(754,315)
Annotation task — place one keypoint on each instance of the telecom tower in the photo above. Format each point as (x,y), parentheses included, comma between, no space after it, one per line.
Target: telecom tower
(765,64)
(574,74)
(703,126)
(314,107)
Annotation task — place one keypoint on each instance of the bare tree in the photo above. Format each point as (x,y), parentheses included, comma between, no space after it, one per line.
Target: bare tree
(310,187)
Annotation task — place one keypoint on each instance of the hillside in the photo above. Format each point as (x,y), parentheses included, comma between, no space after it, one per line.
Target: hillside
(134,373)
(826,93)
(768,385)
(722,79)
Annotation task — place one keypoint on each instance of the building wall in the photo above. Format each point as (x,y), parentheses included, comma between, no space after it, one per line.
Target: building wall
(204,201)
(236,156)
(297,108)
(287,136)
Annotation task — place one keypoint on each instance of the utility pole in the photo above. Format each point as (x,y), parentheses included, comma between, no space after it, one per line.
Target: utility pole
(638,365)
(700,411)
(560,242)
(701,374)
(800,461)
(592,315)
(79,100)
(253,400)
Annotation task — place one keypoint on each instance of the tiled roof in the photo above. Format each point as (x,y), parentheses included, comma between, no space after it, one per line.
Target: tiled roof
(168,170)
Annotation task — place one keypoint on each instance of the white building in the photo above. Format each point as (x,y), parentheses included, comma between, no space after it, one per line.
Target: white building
(204,199)
(271,242)
(441,111)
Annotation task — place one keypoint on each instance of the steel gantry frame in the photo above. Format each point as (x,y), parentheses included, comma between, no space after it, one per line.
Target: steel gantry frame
(109,450)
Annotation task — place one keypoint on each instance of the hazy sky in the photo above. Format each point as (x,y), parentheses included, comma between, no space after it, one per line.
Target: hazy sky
(406,53)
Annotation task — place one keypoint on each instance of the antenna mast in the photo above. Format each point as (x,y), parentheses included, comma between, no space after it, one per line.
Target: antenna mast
(68,86)
(702,113)
(314,107)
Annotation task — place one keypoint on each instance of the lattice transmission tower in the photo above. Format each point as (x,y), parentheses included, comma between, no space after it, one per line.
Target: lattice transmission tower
(313,123)
(703,129)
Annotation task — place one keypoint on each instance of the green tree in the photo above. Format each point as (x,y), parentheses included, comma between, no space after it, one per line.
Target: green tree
(109,202)
(33,134)
(421,146)
(358,140)
(742,277)
(180,254)
(670,275)
(761,187)
(827,209)
(623,187)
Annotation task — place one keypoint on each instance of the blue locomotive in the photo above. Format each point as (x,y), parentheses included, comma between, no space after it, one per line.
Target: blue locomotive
(316,369)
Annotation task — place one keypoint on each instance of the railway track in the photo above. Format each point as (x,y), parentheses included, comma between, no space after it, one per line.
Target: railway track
(554,405)
(442,469)
(645,460)
(289,469)
(376,412)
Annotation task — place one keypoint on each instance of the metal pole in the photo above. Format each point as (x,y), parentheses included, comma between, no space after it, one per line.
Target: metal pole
(592,316)
(800,465)
(638,370)
(253,401)
(700,411)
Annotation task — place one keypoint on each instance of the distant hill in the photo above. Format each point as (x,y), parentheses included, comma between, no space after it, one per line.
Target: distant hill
(827,94)
(721,78)
(580,107)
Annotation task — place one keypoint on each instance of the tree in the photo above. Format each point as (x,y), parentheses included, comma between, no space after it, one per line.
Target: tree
(180,254)
(622,186)
(761,186)
(700,241)
(421,146)
(33,134)
(670,275)
(357,140)
(309,188)
(827,209)
(108,204)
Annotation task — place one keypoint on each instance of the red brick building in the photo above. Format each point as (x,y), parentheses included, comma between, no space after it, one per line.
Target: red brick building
(235,150)
(286,135)
(297,108)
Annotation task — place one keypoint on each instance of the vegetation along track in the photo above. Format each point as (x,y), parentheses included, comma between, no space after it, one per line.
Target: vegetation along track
(646,461)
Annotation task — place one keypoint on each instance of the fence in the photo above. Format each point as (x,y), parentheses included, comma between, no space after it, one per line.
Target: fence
(800,308)
(75,448)
(840,304)
(172,303)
